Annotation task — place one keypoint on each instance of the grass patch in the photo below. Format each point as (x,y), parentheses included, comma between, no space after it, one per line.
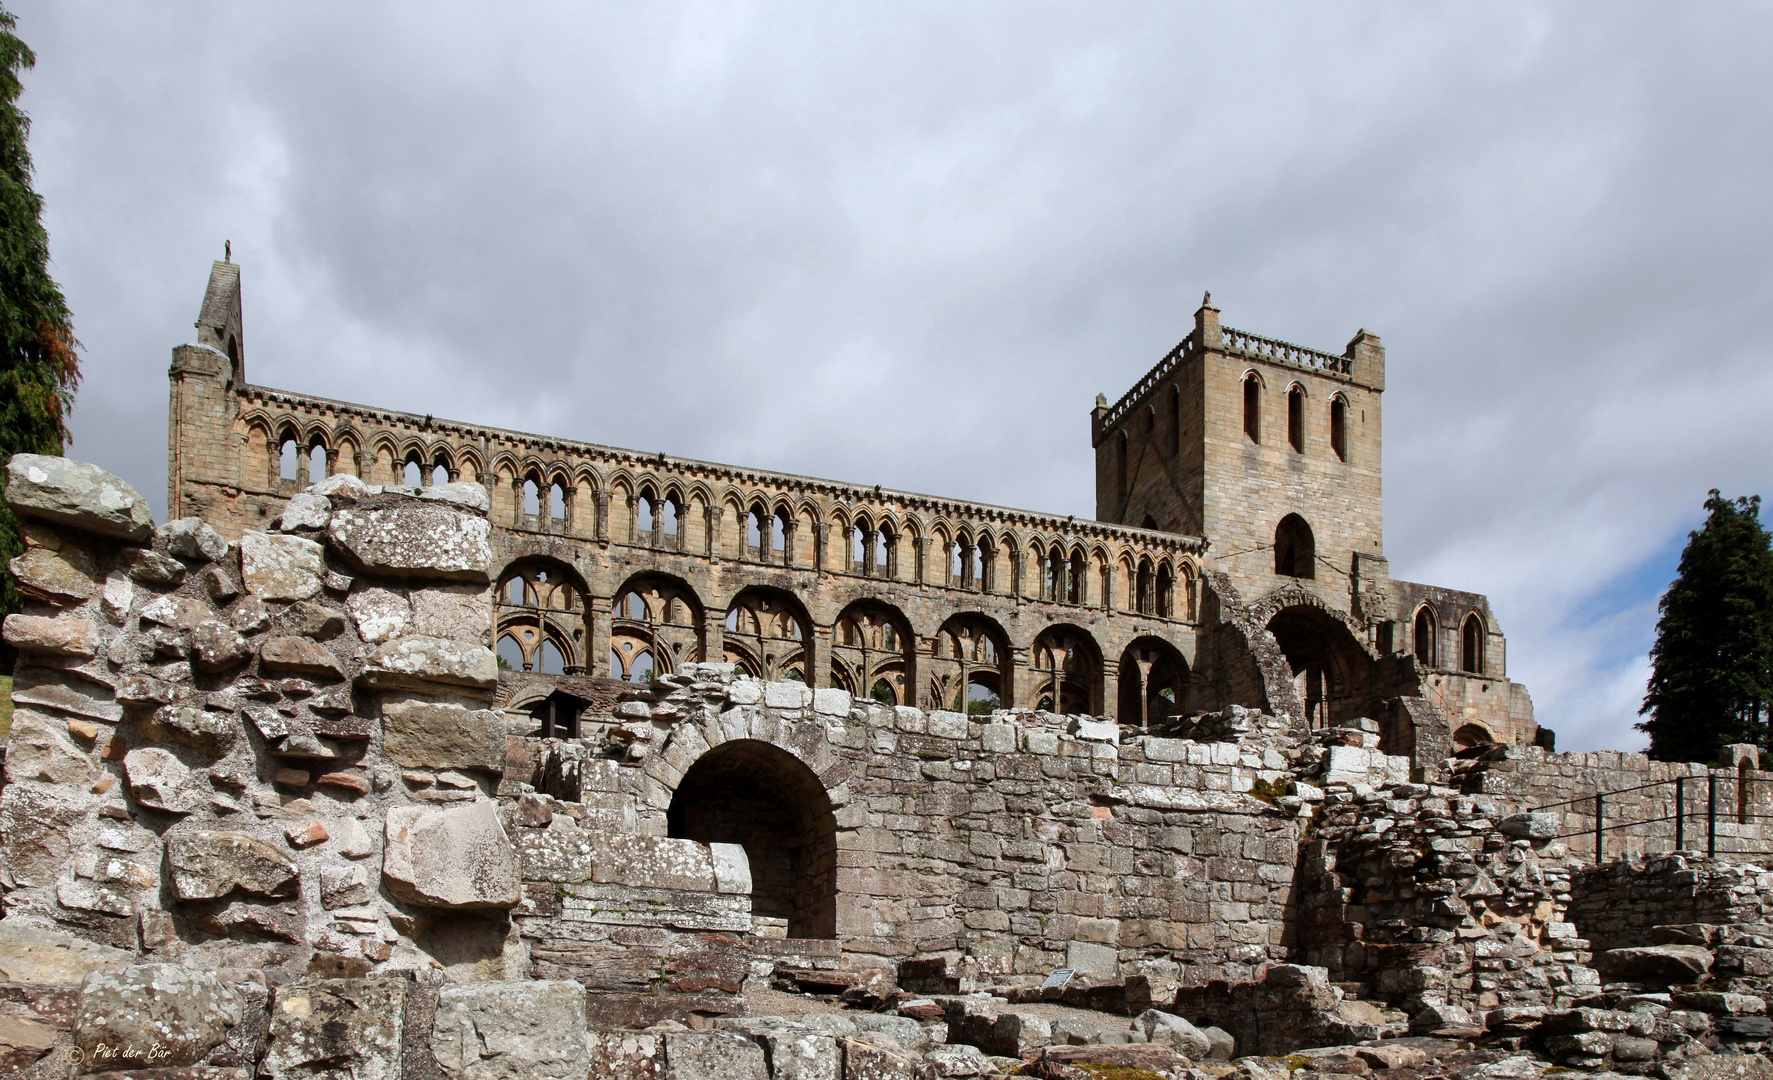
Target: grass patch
(5,705)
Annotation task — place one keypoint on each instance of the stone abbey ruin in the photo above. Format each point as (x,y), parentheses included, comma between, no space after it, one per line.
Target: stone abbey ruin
(413,750)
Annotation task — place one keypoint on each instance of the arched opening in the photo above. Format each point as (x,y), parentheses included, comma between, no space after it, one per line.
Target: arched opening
(532,499)
(1153,682)
(766,635)
(1166,586)
(439,474)
(1472,639)
(1296,418)
(655,627)
(539,609)
(1339,426)
(411,475)
(1067,672)
(1424,635)
(969,671)
(871,650)
(316,463)
(556,502)
(1143,588)
(1295,551)
(764,799)
(1253,407)
(289,452)
(1331,672)
(1076,578)
(1470,735)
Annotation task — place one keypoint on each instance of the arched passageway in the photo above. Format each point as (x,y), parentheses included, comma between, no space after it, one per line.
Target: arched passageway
(1153,682)
(1331,672)
(764,799)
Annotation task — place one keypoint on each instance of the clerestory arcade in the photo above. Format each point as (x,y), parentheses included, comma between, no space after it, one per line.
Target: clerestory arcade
(1237,556)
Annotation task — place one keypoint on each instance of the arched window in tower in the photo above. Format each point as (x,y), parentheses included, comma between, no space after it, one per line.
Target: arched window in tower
(779,534)
(316,463)
(643,511)
(1339,426)
(858,547)
(1165,591)
(1472,640)
(1076,579)
(1295,551)
(532,498)
(286,468)
(556,502)
(669,512)
(1253,407)
(439,474)
(1425,635)
(1296,418)
(412,475)
(1142,593)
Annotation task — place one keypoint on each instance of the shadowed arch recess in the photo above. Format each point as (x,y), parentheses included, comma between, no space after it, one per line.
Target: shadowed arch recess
(756,795)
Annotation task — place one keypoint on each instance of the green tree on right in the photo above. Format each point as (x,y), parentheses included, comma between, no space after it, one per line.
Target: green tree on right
(1711,669)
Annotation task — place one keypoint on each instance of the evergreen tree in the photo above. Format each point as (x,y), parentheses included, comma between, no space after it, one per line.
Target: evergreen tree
(1711,680)
(39,364)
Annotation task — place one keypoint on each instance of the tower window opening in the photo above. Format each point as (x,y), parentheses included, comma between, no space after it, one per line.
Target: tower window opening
(1253,407)
(1339,428)
(1296,419)
(316,464)
(287,463)
(1473,651)
(1295,551)
(556,502)
(1424,634)
(532,498)
(412,476)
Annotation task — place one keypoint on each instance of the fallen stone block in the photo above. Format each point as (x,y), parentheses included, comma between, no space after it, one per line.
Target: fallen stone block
(1171,1030)
(60,577)
(192,538)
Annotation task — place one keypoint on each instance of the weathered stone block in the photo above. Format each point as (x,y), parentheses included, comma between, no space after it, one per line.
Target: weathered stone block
(713,1055)
(160,781)
(76,494)
(152,1016)
(277,567)
(415,662)
(442,735)
(511,1031)
(62,577)
(413,539)
(192,538)
(208,865)
(39,749)
(450,858)
(346,1029)
(60,635)
(299,656)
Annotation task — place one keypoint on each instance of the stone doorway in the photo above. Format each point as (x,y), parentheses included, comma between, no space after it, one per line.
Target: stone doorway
(764,799)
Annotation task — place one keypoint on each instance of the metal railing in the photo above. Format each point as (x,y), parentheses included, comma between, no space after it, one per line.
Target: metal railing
(1686,792)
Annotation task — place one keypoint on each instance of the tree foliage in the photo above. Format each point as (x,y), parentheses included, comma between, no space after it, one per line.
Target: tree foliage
(1711,681)
(39,358)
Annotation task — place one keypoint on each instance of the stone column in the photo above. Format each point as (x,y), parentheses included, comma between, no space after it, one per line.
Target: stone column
(1110,702)
(1019,681)
(822,546)
(921,571)
(716,518)
(597,619)
(714,636)
(816,657)
(602,498)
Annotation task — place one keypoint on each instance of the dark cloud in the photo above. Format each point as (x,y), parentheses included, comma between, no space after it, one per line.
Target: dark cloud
(907,244)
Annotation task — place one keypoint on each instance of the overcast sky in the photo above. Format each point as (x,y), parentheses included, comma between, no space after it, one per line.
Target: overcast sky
(907,244)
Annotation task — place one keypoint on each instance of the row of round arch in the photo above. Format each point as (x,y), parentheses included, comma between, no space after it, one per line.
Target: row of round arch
(961,659)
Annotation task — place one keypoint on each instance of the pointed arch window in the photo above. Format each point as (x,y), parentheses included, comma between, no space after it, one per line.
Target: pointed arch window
(1424,634)
(1339,426)
(1472,644)
(1253,407)
(1296,418)
(1295,550)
